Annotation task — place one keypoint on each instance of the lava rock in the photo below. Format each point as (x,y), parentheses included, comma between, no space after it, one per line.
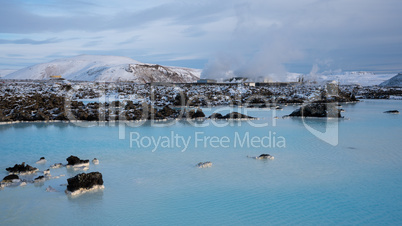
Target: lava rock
(84,181)
(196,114)
(74,160)
(216,116)
(10,178)
(204,164)
(232,115)
(167,112)
(42,160)
(321,110)
(392,112)
(22,168)
(39,179)
(265,156)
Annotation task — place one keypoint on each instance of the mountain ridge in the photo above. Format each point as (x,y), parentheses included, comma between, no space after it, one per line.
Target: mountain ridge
(107,69)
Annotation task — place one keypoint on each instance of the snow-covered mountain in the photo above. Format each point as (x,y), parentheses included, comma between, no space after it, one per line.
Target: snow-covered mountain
(395,81)
(106,69)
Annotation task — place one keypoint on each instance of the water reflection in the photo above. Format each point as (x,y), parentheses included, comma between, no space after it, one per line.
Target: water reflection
(37,125)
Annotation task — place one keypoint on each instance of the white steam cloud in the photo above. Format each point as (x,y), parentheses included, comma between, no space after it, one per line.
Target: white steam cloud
(259,50)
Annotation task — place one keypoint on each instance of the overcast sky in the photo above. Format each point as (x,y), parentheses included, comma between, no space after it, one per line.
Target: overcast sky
(255,36)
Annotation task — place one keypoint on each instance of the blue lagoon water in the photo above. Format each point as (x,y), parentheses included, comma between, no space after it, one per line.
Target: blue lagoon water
(310,181)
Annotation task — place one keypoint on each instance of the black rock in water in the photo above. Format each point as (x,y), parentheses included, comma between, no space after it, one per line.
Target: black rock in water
(10,178)
(321,110)
(236,115)
(216,116)
(204,164)
(199,114)
(74,160)
(42,160)
(265,156)
(196,114)
(85,181)
(232,115)
(21,168)
(167,112)
(40,178)
(392,112)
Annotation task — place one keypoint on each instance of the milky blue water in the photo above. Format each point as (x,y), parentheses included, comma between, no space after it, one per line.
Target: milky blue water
(358,181)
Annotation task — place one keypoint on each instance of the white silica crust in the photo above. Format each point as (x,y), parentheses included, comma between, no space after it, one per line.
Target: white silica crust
(56,166)
(42,161)
(83,190)
(26,172)
(79,165)
(269,157)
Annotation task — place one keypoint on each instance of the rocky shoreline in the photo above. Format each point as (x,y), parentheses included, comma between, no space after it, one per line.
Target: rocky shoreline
(42,102)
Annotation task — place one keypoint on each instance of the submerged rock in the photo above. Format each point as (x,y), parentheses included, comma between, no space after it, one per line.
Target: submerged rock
(317,110)
(56,165)
(392,112)
(10,178)
(42,160)
(47,172)
(216,116)
(84,182)
(263,156)
(50,189)
(204,164)
(95,161)
(81,168)
(76,162)
(40,179)
(232,115)
(22,169)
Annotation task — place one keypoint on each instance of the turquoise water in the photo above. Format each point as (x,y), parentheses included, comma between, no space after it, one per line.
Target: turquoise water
(310,181)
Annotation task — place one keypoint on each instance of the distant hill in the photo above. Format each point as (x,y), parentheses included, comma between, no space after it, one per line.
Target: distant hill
(395,81)
(363,78)
(107,69)
(5,72)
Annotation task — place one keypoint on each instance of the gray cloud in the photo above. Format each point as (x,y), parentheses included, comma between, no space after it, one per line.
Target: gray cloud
(193,31)
(17,19)
(131,40)
(255,37)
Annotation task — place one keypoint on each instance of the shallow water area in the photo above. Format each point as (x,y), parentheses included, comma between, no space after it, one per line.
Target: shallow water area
(151,183)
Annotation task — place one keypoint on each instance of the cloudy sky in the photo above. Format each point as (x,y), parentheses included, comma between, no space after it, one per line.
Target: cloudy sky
(254,36)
